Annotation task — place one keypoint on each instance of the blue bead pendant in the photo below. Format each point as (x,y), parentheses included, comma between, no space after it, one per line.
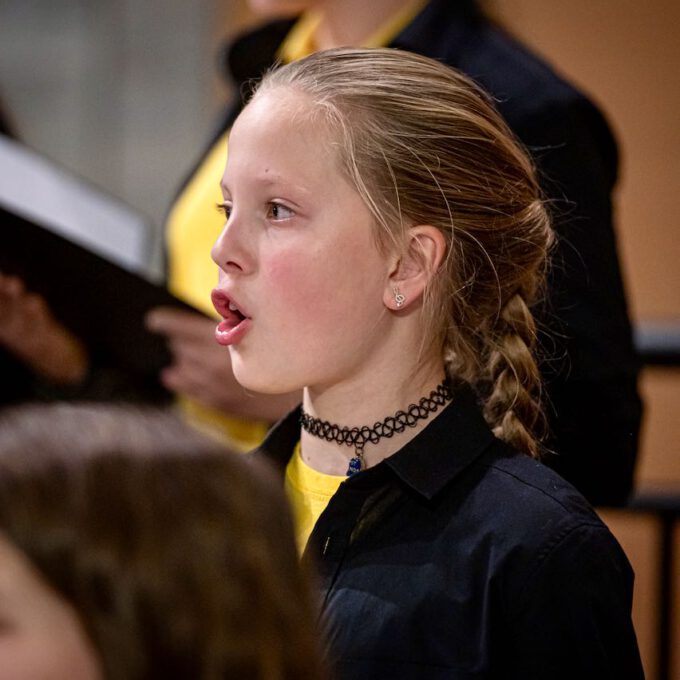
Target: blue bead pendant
(354,466)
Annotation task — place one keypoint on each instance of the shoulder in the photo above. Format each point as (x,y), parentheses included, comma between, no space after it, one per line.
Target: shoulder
(540,104)
(532,512)
(462,37)
(519,79)
(522,82)
(531,482)
(513,73)
(552,562)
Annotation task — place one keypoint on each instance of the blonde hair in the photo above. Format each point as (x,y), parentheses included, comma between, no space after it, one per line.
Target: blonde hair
(423,144)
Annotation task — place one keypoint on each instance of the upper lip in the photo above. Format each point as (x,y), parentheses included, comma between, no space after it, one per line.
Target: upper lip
(221,302)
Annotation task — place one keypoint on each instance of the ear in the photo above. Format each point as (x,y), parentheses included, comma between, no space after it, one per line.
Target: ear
(423,252)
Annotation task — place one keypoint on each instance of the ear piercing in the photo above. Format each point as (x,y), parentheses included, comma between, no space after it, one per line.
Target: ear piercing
(399,298)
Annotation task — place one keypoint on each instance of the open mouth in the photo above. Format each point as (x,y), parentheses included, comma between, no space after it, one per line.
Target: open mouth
(235,316)
(235,323)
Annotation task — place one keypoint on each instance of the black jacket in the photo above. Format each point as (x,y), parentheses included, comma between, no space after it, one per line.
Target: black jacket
(589,363)
(458,558)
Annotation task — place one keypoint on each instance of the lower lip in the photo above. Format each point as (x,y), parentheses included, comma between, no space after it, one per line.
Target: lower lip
(231,335)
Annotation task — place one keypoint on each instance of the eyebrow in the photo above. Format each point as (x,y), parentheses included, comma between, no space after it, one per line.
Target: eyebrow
(266,179)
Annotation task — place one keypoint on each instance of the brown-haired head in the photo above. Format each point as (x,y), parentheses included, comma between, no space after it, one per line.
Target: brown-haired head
(423,145)
(177,555)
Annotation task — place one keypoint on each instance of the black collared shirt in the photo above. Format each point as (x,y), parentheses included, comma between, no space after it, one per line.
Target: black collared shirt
(458,558)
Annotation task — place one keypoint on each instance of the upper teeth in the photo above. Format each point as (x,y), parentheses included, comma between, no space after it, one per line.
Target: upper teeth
(233,307)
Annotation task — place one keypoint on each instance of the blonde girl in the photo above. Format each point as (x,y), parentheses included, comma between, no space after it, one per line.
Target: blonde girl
(384,242)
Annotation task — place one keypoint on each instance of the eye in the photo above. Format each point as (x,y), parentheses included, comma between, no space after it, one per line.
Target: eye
(279,212)
(224,208)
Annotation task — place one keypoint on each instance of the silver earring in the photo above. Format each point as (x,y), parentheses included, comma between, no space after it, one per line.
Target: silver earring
(399,298)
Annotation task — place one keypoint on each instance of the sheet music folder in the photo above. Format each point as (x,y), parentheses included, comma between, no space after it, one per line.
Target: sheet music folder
(86,253)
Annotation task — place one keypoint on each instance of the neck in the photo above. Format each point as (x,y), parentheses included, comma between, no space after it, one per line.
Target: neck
(351,22)
(363,402)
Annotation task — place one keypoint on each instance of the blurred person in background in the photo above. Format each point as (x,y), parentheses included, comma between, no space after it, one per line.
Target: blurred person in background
(132,548)
(589,365)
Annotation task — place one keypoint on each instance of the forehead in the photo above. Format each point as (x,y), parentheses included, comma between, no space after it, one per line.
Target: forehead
(279,106)
(280,129)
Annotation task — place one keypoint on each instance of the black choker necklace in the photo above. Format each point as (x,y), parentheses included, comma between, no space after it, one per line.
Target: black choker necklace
(358,437)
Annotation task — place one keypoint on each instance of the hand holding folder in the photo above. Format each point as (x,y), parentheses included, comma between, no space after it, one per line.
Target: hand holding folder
(86,254)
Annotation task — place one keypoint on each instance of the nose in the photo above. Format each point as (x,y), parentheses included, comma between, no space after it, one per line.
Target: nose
(229,252)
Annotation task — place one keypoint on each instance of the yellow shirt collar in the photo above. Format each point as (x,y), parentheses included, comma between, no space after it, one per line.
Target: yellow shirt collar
(300,40)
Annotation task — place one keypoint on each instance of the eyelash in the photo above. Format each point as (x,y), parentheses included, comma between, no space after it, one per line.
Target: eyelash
(224,209)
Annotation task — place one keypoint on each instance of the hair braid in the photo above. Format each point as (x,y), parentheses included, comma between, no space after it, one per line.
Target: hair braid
(513,403)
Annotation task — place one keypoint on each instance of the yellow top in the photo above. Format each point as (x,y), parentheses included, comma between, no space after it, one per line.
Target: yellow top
(194,224)
(308,492)
(300,40)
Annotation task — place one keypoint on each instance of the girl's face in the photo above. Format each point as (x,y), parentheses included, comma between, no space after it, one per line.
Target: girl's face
(297,255)
(41,637)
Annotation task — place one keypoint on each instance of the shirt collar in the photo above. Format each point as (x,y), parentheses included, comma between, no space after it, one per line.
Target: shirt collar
(451,442)
(439,31)
(300,43)
(455,438)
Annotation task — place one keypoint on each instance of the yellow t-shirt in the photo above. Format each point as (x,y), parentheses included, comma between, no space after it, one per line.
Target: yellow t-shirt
(308,492)
(194,224)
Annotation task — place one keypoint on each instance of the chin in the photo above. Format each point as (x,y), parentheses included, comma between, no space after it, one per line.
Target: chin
(280,7)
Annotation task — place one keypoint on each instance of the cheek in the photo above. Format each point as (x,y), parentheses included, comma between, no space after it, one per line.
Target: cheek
(326,289)
(300,284)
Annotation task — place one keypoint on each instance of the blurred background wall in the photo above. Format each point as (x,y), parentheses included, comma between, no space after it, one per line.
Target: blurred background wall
(125,92)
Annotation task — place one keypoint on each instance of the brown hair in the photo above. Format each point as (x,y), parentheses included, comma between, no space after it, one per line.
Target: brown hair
(423,144)
(178,556)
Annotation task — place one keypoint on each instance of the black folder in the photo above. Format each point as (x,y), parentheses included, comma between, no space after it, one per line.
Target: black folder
(87,254)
